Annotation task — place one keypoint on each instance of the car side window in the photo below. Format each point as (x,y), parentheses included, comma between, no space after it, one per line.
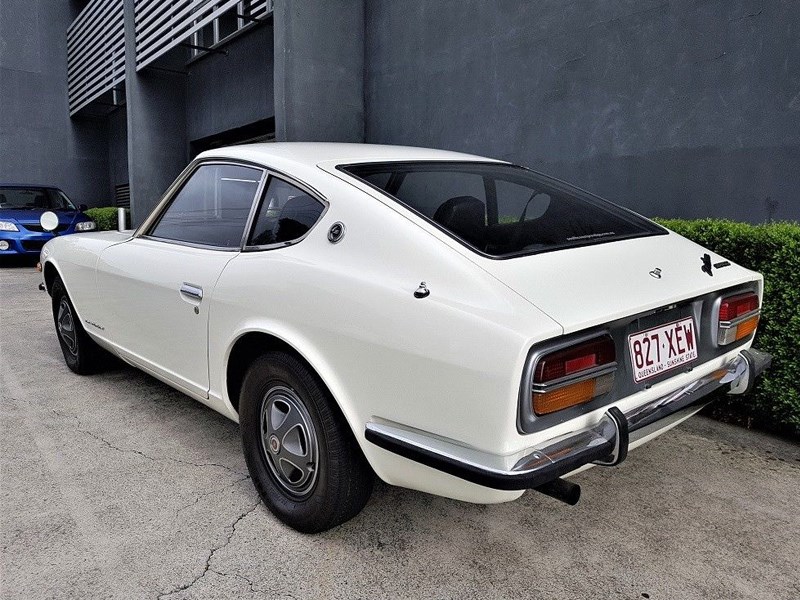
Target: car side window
(212,207)
(286,214)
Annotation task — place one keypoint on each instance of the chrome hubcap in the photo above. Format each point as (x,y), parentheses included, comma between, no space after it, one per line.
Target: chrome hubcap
(289,440)
(66,327)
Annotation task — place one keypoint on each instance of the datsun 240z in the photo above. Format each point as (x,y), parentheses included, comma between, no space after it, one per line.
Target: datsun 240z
(450,323)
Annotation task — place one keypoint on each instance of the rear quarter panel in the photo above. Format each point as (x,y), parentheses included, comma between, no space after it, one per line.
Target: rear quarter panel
(449,364)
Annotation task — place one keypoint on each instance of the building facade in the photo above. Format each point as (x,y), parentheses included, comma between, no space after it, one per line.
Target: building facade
(672,108)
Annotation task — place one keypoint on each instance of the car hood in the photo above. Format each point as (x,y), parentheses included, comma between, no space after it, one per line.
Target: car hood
(21,215)
(596,284)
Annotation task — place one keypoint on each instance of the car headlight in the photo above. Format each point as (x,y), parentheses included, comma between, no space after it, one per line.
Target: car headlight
(85,226)
(8,226)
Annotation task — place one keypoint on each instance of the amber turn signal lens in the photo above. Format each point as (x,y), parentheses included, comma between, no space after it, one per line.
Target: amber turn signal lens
(571,395)
(746,328)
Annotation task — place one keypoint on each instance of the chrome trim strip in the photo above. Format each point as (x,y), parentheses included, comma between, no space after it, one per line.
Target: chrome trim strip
(593,373)
(738,320)
(251,216)
(604,443)
(261,197)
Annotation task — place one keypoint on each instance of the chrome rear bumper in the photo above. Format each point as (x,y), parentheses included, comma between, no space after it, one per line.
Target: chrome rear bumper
(605,443)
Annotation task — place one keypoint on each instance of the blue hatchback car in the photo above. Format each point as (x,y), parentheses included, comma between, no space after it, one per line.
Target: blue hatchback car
(21,206)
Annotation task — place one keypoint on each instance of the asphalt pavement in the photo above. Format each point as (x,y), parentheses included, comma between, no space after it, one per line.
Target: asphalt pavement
(117,486)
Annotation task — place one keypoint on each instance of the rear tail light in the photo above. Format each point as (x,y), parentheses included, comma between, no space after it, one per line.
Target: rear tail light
(574,375)
(737,306)
(738,318)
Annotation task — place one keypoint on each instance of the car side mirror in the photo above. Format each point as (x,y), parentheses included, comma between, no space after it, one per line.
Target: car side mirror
(49,221)
(82,207)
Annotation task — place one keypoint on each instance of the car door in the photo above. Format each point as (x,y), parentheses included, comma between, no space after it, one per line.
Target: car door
(157,286)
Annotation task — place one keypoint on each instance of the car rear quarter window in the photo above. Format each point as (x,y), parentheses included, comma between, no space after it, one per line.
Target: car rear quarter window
(212,207)
(285,215)
(501,210)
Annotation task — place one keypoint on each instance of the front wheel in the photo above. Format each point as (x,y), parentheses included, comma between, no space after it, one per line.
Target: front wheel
(300,452)
(81,353)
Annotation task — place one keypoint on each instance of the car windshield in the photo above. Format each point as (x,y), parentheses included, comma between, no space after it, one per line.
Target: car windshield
(502,210)
(34,198)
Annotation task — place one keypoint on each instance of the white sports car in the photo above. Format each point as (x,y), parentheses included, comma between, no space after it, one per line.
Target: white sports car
(454,324)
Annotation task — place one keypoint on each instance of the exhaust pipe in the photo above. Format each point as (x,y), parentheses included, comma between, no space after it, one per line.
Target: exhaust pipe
(561,489)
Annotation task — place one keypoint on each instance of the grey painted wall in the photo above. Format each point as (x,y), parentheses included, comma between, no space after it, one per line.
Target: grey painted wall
(674,108)
(228,91)
(157,145)
(156,114)
(319,70)
(166,111)
(38,141)
(117,151)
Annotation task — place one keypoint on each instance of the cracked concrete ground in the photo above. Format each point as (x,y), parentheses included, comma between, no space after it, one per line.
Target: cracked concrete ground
(116,486)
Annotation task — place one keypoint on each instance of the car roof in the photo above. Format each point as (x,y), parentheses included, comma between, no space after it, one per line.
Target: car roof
(314,153)
(312,162)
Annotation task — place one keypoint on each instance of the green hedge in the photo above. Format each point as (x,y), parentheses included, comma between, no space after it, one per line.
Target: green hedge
(773,249)
(106,217)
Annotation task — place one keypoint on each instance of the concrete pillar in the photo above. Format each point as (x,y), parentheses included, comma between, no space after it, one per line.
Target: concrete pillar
(157,147)
(319,70)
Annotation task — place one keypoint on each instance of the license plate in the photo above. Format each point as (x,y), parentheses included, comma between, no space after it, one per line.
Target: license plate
(662,348)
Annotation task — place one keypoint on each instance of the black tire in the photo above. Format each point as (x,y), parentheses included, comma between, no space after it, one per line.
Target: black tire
(81,353)
(324,479)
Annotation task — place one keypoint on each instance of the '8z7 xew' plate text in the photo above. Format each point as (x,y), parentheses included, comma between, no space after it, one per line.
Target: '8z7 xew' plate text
(662,348)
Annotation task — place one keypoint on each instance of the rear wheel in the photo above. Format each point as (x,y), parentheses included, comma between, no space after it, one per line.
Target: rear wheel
(81,353)
(300,452)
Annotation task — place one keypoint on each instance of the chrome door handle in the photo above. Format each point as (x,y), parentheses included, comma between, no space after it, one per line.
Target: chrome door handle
(195,292)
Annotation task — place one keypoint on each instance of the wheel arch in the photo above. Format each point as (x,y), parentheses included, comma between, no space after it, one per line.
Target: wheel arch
(50,273)
(50,270)
(244,350)
(254,342)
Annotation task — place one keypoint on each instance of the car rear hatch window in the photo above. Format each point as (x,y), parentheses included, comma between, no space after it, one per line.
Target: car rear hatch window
(501,210)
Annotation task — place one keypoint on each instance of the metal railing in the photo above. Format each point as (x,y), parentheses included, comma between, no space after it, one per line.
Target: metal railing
(95,52)
(161,25)
(96,38)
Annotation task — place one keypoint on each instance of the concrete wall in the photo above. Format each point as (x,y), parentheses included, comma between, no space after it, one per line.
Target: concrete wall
(157,144)
(156,124)
(678,108)
(117,151)
(38,141)
(167,110)
(319,70)
(228,91)
(675,108)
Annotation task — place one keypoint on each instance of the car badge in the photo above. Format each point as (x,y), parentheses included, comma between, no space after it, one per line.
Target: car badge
(706,268)
(656,273)
(336,232)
